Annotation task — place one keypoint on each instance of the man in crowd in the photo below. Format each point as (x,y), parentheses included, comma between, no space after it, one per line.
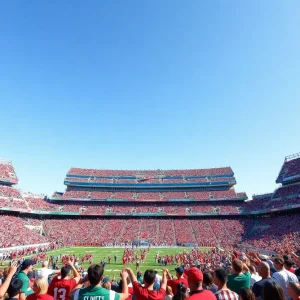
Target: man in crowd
(265,273)
(26,267)
(179,278)
(45,272)
(195,280)
(220,279)
(14,290)
(61,286)
(147,291)
(283,276)
(254,276)
(96,291)
(240,278)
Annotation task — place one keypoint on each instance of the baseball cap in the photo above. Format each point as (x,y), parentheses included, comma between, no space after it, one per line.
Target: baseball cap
(179,270)
(26,263)
(105,279)
(194,274)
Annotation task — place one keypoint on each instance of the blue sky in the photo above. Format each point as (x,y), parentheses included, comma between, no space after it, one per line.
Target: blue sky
(149,84)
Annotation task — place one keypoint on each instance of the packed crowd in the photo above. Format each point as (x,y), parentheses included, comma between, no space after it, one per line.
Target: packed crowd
(147,173)
(230,273)
(274,233)
(290,168)
(7,173)
(7,191)
(86,193)
(287,191)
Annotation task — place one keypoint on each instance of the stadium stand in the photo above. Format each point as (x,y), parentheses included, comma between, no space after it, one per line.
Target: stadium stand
(159,222)
(7,173)
(290,169)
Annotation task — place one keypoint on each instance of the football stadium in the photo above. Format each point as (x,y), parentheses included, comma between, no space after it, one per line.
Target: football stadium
(149,150)
(156,208)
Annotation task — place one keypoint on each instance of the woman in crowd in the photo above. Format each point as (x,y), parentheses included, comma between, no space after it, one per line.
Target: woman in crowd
(246,294)
(181,292)
(272,291)
(40,288)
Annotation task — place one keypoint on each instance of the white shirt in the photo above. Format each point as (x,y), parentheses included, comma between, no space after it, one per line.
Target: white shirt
(158,278)
(284,277)
(254,278)
(44,273)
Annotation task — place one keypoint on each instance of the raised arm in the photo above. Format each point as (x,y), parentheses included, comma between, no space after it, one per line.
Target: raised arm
(163,284)
(12,270)
(131,275)
(124,275)
(69,262)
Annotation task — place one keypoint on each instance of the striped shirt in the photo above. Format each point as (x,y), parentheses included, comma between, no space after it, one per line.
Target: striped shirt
(226,295)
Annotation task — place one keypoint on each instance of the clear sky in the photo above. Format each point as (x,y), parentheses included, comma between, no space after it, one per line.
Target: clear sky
(149,84)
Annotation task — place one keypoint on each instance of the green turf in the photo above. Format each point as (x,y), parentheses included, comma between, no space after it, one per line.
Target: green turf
(115,268)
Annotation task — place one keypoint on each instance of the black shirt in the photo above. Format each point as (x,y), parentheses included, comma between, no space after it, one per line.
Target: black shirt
(258,286)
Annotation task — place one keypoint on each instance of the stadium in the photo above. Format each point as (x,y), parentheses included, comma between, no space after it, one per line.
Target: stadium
(157,208)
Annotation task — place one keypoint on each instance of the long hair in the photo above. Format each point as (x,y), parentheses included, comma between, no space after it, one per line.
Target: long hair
(272,291)
(247,294)
(180,292)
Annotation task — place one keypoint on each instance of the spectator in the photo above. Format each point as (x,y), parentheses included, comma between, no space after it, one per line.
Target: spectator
(240,277)
(254,276)
(40,288)
(169,293)
(140,277)
(220,279)
(272,291)
(95,276)
(246,294)
(173,283)
(195,279)
(44,272)
(181,292)
(283,276)
(14,290)
(288,265)
(6,284)
(294,290)
(106,284)
(208,282)
(26,267)
(62,285)
(147,291)
(264,272)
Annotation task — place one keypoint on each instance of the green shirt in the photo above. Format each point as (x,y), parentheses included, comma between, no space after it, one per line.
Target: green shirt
(95,293)
(25,287)
(236,282)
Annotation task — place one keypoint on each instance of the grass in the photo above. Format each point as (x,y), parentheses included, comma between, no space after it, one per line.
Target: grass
(113,269)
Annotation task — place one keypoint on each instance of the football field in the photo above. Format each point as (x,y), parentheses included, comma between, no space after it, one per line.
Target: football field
(113,269)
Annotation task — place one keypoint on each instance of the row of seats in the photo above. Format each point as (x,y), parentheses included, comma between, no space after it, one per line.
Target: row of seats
(147,173)
(287,191)
(150,180)
(128,208)
(200,195)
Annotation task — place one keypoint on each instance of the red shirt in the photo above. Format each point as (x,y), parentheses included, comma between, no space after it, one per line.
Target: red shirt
(142,293)
(173,284)
(39,297)
(202,295)
(60,288)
